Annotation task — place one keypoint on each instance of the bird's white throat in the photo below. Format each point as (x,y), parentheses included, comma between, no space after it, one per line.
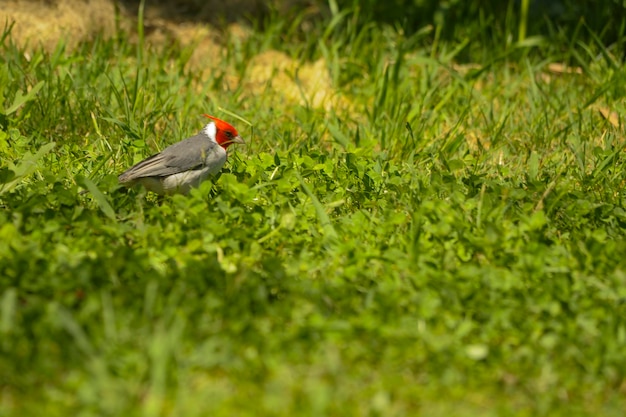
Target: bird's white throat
(210,130)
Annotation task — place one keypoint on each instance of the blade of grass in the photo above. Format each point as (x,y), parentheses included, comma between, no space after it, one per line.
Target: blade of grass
(100,198)
(322,217)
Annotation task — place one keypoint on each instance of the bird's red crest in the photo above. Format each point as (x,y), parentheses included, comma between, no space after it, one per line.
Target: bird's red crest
(226,134)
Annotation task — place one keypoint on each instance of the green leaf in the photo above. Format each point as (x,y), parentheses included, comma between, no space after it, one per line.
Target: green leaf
(26,166)
(7,310)
(6,175)
(21,99)
(100,198)
(338,135)
(477,352)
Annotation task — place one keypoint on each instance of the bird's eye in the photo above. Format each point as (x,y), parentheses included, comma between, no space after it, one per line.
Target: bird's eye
(229,134)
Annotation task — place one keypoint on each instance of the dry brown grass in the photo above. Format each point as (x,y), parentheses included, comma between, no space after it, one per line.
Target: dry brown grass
(43,24)
(38,23)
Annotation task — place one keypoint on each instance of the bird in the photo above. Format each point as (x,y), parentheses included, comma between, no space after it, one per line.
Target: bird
(185,164)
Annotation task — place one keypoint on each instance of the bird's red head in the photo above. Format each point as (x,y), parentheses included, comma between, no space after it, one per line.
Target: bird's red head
(225,133)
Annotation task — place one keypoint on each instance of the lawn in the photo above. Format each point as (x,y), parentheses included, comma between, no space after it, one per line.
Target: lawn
(422,222)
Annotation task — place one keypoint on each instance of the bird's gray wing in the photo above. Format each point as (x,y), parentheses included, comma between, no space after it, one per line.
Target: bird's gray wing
(182,156)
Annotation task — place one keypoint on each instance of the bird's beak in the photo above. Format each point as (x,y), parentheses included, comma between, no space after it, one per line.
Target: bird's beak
(238,139)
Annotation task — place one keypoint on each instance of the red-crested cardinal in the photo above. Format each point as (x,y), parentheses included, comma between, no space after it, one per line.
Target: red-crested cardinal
(183,165)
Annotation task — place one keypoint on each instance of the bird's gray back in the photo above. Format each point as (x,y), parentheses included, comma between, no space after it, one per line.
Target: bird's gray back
(185,155)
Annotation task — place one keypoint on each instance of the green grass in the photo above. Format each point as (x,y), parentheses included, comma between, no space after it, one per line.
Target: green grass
(451,242)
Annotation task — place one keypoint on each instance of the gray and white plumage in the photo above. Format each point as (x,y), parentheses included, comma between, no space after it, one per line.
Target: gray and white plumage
(185,164)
